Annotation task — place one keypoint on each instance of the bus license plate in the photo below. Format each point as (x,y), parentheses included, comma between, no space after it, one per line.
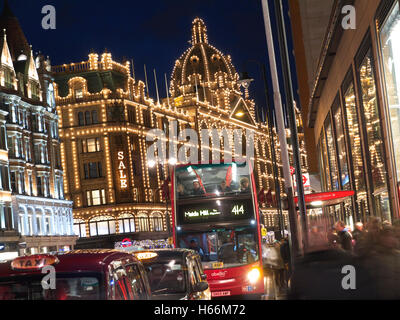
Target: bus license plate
(218,265)
(220,293)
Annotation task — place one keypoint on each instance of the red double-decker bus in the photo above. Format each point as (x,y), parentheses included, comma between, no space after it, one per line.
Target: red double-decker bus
(215,212)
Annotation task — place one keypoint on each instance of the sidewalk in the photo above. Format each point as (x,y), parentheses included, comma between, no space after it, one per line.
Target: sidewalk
(271,290)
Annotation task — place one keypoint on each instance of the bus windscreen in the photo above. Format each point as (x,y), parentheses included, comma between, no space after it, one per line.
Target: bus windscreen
(208,180)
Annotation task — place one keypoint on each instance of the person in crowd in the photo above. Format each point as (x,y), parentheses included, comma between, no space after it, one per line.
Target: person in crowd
(244,185)
(316,238)
(223,187)
(333,239)
(181,190)
(344,237)
(358,231)
(197,189)
(195,246)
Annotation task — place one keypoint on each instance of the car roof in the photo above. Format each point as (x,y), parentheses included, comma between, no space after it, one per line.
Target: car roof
(177,253)
(88,260)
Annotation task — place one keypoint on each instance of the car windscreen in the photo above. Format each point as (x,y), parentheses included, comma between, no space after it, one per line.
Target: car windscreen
(166,276)
(68,286)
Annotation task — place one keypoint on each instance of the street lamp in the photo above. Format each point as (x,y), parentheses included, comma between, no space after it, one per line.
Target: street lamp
(244,81)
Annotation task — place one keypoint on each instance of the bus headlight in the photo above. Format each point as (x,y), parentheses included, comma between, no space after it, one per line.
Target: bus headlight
(254,275)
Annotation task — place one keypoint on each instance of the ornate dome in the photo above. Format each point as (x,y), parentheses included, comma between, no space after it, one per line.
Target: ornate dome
(210,65)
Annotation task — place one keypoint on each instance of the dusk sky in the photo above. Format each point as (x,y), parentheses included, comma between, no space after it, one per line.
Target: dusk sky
(154,32)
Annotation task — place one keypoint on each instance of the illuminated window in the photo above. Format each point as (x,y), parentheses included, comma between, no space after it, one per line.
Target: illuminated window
(80,228)
(354,138)
(390,43)
(79,93)
(96,197)
(158,224)
(332,154)
(327,183)
(376,153)
(126,223)
(91,145)
(102,225)
(341,146)
(143,222)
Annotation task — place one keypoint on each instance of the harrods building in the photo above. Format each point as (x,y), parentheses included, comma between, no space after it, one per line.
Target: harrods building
(105,114)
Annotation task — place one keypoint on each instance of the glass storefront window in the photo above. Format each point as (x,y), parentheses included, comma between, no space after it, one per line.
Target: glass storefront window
(390,44)
(344,170)
(355,140)
(325,163)
(356,152)
(374,136)
(372,123)
(332,154)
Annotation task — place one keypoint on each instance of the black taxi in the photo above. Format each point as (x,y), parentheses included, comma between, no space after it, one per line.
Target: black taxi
(75,275)
(175,274)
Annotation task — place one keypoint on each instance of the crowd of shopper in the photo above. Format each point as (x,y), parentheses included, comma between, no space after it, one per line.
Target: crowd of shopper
(372,249)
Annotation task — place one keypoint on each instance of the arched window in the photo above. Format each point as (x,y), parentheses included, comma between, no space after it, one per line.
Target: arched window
(80,228)
(102,225)
(126,222)
(158,223)
(142,222)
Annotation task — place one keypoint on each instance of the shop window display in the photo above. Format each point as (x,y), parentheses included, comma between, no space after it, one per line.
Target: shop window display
(374,138)
(341,144)
(390,44)
(332,154)
(325,163)
(356,151)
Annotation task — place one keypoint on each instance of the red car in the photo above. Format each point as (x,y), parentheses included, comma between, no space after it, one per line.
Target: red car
(75,275)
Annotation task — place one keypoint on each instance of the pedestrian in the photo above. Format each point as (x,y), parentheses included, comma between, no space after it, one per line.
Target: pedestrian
(344,237)
(285,254)
(333,239)
(358,231)
(316,239)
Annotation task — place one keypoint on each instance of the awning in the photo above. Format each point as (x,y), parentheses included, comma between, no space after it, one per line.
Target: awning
(325,198)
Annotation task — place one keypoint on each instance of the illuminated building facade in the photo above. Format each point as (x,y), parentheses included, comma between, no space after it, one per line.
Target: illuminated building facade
(33,211)
(105,115)
(355,113)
